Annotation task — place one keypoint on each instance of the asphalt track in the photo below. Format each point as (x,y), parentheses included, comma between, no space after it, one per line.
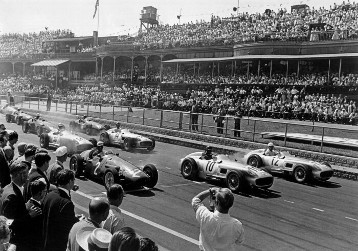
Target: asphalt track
(289,216)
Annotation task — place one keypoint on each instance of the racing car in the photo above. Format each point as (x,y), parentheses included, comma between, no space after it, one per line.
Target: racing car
(13,114)
(37,126)
(74,143)
(112,169)
(301,170)
(87,125)
(236,175)
(126,139)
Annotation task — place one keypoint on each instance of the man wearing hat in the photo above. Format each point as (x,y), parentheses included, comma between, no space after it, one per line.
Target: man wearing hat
(61,156)
(89,239)
(98,211)
(271,150)
(4,165)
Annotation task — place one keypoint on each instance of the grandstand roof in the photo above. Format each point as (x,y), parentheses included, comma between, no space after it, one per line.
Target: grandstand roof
(51,62)
(70,39)
(268,57)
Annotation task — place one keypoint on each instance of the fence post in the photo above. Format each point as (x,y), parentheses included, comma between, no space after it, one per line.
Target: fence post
(161,118)
(190,121)
(76,108)
(113,113)
(70,107)
(322,139)
(87,108)
(38,104)
(227,122)
(202,122)
(127,115)
(180,120)
(100,110)
(56,104)
(285,134)
(143,115)
(253,135)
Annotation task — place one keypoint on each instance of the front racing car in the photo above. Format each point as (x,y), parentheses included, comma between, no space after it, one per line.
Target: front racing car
(113,169)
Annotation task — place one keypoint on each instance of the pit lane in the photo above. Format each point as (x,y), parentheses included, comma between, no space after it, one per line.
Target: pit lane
(288,217)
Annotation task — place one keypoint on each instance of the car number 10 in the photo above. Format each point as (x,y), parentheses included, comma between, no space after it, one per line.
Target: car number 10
(210,166)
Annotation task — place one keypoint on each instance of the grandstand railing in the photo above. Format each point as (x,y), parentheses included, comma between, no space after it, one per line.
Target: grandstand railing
(261,130)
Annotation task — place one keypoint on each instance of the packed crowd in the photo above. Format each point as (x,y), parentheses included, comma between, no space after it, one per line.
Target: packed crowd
(37,212)
(21,45)
(340,22)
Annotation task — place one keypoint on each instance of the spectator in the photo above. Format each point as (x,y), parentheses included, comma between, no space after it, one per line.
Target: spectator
(194,116)
(28,157)
(147,244)
(98,212)
(89,239)
(115,220)
(237,121)
(13,207)
(5,235)
(220,119)
(125,240)
(218,231)
(4,166)
(42,160)
(9,149)
(34,237)
(59,215)
(61,156)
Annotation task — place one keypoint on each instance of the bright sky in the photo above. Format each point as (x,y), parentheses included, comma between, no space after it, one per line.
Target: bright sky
(122,16)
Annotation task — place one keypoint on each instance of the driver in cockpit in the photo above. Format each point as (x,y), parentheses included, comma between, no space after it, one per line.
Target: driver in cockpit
(118,127)
(270,151)
(208,153)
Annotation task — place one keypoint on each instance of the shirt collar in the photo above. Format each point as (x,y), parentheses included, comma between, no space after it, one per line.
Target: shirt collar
(20,188)
(221,215)
(65,190)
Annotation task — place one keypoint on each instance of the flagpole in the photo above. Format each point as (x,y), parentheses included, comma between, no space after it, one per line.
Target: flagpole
(98,18)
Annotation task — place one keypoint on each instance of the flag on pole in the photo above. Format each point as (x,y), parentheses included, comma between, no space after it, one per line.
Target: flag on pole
(95,8)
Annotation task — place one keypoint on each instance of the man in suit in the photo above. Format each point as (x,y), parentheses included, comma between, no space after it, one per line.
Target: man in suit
(9,149)
(14,207)
(59,214)
(42,162)
(4,165)
(61,156)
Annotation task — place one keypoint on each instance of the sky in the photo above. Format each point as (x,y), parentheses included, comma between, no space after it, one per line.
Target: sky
(119,17)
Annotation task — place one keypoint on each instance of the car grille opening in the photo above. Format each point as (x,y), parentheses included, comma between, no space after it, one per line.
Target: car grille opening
(264,181)
(326,174)
(146,144)
(81,148)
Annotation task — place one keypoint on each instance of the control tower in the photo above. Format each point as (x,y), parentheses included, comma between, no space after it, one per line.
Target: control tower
(149,18)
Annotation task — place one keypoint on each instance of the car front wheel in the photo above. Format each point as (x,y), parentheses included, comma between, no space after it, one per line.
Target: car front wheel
(234,181)
(152,173)
(108,179)
(189,169)
(300,174)
(76,164)
(254,161)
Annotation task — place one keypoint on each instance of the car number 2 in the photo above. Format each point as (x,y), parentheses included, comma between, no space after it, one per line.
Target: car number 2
(210,166)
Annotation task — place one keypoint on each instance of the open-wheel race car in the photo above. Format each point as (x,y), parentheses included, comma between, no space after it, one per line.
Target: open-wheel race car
(236,175)
(126,139)
(300,169)
(87,125)
(37,126)
(74,143)
(15,115)
(112,169)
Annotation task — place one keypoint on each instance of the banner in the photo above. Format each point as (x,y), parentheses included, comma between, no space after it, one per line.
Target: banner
(95,8)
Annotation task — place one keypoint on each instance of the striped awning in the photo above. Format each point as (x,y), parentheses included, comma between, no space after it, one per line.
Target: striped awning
(51,62)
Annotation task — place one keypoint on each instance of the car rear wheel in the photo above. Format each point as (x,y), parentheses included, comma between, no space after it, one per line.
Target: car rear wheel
(151,148)
(25,127)
(254,161)
(44,140)
(18,121)
(76,164)
(104,137)
(39,131)
(300,174)
(108,179)
(152,173)
(234,181)
(189,169)
(88,130)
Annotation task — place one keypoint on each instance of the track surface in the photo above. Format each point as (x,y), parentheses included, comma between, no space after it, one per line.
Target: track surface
(289,217)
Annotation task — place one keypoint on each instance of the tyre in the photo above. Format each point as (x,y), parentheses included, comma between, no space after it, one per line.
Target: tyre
(152,173)
(189,169)
(152,147)
(93,141)
(105,138)
(18,120)
(234,181)
(39,131)
(254,160)
(44,140)
(128,144)
(300,174)
(25,127)
(107,127)
(8,118)
(77,164)
(108,179)
(88,130)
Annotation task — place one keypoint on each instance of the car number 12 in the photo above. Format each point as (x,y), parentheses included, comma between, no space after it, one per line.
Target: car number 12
(275,162)
(210,166)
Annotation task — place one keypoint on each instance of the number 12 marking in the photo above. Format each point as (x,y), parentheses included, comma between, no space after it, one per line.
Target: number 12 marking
(274,162)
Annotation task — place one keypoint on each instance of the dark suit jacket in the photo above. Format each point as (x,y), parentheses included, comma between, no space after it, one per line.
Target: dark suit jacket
(4,170)
(34,235)
(13,207)
(59,217)
(34,175)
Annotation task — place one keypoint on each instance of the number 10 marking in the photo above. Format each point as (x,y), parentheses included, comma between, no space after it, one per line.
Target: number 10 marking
(210,166)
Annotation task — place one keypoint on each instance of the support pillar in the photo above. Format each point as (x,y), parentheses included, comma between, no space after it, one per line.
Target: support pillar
(232,68)
(286,71)
(258,68)
(271,69)
(56,76)
(298,68)
(194,70)
(132,68)
(199,69)
(176,73)
(114,66)
(329,69)
(161,68)
(340,69)
(13,67)
(145,69)
(96,70)
(218,68)
(212,70)
(102,58)
(248,69)
(23,68)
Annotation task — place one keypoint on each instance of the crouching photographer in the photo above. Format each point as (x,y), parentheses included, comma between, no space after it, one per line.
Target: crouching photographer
(218,230)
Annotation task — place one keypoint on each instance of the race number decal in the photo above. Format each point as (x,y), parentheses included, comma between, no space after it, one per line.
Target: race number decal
(117,135)
(275,162)
(210,166)
(97,166)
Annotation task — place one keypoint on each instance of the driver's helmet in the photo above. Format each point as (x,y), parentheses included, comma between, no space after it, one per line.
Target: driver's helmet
(37,115)
(61,127)
(270,144)
(118,125)
(19,109)
(100,144)
(208,149)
